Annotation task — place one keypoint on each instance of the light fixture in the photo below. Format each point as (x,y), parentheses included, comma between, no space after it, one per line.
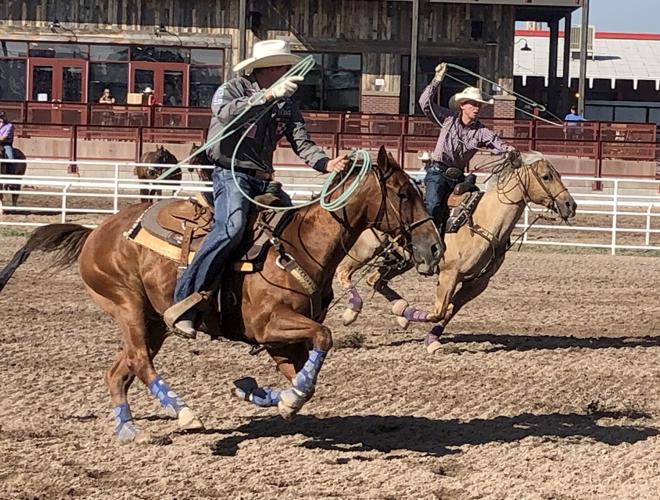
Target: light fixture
(162,30)
(525,48)
(54,25)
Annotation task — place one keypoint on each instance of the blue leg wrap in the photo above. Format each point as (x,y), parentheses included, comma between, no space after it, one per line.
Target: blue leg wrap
(124,427)
(168,399)
(265,397)
(305,379)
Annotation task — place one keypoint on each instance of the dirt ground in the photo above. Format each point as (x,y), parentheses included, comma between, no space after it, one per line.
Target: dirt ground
(548,388)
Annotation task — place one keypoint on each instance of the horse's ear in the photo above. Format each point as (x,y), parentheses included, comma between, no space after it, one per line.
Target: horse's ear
(392,161)
(160,148)
(383,161)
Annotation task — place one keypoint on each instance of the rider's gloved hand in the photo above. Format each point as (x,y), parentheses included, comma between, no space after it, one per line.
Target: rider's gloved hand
(287,87)
(440,72)
(513,156)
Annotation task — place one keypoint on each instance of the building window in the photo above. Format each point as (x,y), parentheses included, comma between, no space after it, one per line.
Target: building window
(108,76)
(333,84)
(206,75)
(59,50)
(12,79)
(160,54)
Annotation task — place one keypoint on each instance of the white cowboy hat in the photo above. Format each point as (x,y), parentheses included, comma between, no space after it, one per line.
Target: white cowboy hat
(148,90)
(268,54)
(467,94)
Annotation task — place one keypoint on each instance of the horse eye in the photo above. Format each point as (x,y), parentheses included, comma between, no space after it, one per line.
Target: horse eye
(546,177)
(402,195)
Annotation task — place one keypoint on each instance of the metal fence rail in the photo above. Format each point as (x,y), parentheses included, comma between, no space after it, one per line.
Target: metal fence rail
(625,215)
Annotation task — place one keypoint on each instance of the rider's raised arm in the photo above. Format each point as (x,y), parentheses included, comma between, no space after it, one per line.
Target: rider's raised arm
(230,100)
(302,145)
(428,100)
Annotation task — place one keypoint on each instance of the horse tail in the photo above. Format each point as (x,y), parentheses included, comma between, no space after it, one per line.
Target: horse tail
(66,240)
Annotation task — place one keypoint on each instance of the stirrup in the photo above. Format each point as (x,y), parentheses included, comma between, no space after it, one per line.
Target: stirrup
(173,313)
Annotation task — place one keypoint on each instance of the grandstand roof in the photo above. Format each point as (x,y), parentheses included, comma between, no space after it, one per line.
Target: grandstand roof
(617,56)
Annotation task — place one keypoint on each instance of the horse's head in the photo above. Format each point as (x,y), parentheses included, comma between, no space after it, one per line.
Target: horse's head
(399,211)
(160,156)
(543,185)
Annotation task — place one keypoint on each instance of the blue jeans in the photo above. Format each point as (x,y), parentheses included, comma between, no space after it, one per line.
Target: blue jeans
(438,189)
(229,224)
(9,155)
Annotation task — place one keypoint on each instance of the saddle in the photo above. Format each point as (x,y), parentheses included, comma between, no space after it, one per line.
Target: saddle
(176,228)
(462,203)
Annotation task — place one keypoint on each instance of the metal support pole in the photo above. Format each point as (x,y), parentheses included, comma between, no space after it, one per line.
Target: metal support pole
(553,58)
(242,19)
(414,41)
(566,72)
(584,40)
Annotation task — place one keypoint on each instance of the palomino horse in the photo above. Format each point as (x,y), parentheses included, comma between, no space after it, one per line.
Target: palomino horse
(472,255)
(11,169)
(160,156)
(135,286)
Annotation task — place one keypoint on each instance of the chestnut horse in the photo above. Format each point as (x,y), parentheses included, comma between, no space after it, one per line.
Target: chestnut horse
(473,254)
(160,156)
(135,286)
(11,169)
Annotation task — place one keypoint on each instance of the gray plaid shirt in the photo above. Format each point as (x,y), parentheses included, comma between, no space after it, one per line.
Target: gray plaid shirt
(457,143)
(256,151)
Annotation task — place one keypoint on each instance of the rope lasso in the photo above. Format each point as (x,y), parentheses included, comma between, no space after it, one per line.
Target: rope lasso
(359,157)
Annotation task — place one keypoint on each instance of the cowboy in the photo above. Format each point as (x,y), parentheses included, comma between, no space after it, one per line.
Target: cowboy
(461,136)
(7,140)
(149,97)
(269,115)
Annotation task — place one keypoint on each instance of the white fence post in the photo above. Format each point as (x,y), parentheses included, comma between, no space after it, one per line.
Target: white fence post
(526,224)
(115,202)
(65,189)
(647,238)
(615,211)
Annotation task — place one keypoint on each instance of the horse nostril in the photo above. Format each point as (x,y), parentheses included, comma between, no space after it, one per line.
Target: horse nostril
(437,251)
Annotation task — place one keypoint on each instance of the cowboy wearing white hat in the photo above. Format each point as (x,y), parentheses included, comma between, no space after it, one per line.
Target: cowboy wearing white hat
(267,122)
(461,136)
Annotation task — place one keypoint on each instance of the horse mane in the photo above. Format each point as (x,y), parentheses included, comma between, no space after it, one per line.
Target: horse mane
(503,170)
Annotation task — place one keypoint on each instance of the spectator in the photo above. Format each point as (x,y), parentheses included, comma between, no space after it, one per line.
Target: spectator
(573,130)
(151,98)
(106,97)
(7,140)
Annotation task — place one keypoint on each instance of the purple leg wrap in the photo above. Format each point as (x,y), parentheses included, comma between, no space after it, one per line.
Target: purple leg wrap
(413,314)
(434,334)
(354,300)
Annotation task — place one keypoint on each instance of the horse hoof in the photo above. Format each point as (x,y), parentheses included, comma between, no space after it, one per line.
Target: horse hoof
(403,322)
(433,347)
(188,421)
(349,316)
(286,412)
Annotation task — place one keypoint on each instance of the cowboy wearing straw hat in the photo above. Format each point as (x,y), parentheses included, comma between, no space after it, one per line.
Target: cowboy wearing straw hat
(270,61)
(461,136)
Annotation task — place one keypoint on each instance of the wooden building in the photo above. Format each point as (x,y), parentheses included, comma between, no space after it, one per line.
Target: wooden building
(70,50)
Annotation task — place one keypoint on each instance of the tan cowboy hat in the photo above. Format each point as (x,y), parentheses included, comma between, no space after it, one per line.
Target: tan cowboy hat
(268,54)
(467,94)
(424,156)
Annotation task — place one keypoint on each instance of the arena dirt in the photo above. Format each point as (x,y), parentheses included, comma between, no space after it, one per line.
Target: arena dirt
(547,388)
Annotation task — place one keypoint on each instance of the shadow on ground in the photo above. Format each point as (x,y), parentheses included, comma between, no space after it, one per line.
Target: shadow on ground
(434,437)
